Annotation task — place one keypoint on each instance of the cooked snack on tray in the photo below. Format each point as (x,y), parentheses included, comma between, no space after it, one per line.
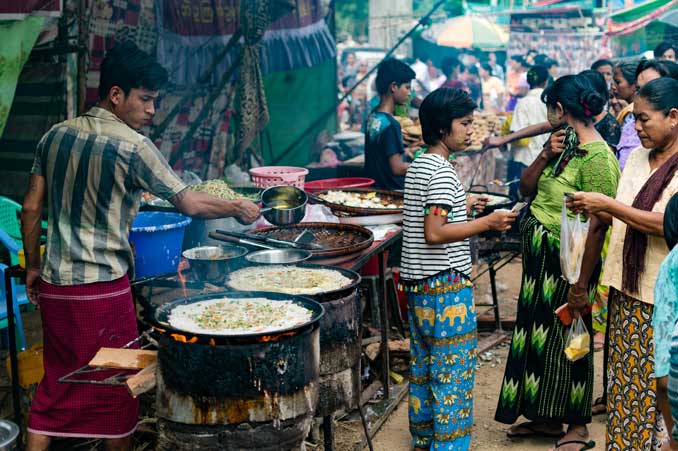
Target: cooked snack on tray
(483,125)
(411,131)
(288,279)
(220,189)
(495,200)
(360,200)
(238,316)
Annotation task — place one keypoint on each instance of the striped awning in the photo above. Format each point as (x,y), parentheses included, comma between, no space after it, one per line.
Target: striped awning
(631,19)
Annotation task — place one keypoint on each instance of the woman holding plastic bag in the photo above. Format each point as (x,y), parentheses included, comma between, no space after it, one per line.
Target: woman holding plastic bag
(637,249)
(540,382)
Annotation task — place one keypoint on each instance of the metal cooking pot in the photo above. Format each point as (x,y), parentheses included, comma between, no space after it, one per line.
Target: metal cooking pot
(284,205)
(212,263)
(8,434)
(278,256)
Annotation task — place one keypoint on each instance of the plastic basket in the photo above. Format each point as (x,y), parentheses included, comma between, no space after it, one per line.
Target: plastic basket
(346,182)
(267,176)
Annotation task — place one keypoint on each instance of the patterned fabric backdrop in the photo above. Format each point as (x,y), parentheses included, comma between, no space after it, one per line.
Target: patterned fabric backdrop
(137,20)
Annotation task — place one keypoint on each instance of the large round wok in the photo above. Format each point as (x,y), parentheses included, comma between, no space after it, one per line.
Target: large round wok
(158,316)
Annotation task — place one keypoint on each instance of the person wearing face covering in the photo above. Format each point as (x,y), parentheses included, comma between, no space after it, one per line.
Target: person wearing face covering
(539,382)
(636,397)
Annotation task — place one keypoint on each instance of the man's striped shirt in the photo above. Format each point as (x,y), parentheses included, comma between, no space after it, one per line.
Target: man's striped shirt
(432,181)
(95,168)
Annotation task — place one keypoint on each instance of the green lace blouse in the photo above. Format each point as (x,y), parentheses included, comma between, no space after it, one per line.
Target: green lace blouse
(593,169)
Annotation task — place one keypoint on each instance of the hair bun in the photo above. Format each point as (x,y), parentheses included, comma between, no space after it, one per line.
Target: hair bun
(592,101)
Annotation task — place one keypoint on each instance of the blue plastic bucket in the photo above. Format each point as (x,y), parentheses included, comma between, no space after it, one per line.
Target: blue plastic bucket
(157,237)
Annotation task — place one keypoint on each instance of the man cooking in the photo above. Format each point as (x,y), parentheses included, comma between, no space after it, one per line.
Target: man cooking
(91,170)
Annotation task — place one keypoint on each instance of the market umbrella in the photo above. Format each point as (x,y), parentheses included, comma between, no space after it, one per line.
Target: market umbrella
(470,31)
(670,17)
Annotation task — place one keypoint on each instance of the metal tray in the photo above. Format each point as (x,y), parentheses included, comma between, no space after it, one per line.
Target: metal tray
(364,237)
(358,211)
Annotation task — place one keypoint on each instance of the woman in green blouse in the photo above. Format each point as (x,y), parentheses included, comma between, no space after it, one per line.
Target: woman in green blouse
(539,382)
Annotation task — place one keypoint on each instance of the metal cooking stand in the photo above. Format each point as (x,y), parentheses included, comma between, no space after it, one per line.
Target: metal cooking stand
(117,379)
(498,253)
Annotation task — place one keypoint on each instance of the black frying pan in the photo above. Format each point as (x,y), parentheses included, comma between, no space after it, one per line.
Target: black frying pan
(158,316)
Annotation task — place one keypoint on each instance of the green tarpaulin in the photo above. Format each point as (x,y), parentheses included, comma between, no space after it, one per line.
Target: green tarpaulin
(296,99)
(18,38)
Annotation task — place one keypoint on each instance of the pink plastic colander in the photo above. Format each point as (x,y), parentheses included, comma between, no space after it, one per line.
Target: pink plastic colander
(267,176)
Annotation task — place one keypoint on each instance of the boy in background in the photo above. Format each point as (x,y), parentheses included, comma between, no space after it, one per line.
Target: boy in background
(384,148)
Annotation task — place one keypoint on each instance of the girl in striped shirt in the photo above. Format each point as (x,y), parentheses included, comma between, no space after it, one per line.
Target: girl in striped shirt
(436,266)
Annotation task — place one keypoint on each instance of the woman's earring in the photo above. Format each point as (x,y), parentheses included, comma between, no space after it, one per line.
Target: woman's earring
(673,126)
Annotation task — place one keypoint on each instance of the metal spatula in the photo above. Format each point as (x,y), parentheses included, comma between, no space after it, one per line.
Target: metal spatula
(306,238)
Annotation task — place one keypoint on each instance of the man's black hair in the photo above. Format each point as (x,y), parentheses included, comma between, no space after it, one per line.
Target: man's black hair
(550,62)
(439,109)
(393,71)
(472,69)
(448,65)
(656,65)
(600,63)
(662,48)
(672,67)
(541,59)
(537,76)
(127,66)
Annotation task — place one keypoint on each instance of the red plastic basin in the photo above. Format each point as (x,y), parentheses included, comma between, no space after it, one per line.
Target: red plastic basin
(339,183)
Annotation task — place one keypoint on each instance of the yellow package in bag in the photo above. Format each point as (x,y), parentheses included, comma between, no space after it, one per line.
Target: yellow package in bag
(30,366)
(578,343)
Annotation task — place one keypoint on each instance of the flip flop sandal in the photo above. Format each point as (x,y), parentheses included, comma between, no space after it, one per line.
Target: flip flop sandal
(599,402)
(587,445)
(532,432)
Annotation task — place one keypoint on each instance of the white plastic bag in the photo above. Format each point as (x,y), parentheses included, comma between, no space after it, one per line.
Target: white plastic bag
(578,343)
(573,234)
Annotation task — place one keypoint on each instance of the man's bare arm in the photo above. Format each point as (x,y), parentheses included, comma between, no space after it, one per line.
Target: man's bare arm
(202,205)
(31,214)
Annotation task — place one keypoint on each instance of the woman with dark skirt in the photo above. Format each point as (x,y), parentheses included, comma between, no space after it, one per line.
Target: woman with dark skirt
(539,382)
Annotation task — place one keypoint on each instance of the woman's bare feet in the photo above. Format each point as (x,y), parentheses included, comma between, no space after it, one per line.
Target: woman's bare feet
(535,429)
(579,434)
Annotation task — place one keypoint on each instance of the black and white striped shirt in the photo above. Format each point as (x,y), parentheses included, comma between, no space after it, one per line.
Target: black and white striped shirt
(431,181)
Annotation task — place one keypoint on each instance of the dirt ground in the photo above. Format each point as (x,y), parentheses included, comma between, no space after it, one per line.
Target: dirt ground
(394,435)
(488,435)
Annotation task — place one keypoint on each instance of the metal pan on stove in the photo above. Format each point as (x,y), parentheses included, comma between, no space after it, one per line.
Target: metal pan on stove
(331,294)
(158,316)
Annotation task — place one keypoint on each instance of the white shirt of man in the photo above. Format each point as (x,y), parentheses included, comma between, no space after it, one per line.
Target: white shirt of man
(530,110)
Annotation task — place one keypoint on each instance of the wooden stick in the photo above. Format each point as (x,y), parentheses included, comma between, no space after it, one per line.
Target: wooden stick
(131,359)
(143,381)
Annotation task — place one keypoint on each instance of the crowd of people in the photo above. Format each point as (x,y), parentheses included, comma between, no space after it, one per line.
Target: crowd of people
(603,144)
